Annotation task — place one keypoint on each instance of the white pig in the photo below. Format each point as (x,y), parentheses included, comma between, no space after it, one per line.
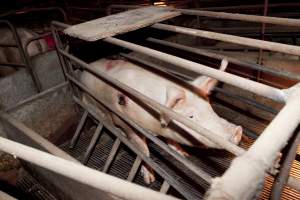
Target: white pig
(166,92)
(11,54)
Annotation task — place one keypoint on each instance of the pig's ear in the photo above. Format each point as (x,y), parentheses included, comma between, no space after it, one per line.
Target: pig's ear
(173,96)
(207,84)
(237,136)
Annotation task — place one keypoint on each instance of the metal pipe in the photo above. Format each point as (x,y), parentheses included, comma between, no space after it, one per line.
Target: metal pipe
(23,55)
(252,86)
(9,121)
(282,178)
(202,135)
(190,165)
(17,65)
(272,46)
(80,173)
(248,171)
(233,60)
(231,16)
(177,75)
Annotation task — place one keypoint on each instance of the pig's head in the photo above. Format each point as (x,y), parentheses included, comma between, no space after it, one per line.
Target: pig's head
(197,108)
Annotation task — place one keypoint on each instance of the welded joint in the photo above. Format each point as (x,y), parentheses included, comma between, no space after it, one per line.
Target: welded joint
(290,92)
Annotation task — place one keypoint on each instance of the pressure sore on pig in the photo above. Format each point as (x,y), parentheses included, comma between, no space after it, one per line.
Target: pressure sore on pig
(193,105)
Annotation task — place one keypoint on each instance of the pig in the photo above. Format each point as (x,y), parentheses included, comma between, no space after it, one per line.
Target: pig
(191,104)
(11,54)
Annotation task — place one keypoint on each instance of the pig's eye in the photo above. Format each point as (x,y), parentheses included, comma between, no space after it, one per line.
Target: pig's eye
(121,99)
(191,116)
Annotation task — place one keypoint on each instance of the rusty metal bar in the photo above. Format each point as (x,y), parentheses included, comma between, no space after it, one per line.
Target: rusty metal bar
(78,130)
(272,46)
(252,86)
(207,53)
(261,155)
(92,144)
(80,173)
(202,135)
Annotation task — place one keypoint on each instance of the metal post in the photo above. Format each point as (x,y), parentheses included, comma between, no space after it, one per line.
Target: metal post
(248,171)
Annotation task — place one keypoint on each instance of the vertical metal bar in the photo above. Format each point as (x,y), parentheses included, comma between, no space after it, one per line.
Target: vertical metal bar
(165,187)
(78,130)
(260,57)
(112,155)
(283,176)
(92,144)
(23,55)
(134,169)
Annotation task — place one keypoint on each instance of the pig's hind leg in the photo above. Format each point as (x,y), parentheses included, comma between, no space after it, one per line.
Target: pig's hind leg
(140,143)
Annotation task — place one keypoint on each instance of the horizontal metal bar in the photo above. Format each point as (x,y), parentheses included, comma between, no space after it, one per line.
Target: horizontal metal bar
(233,60)
(8,45)
(252,86)
(11,123)
(177,75)
(149,135)
(17,65)
(80,173)
(262,155)
(202,135)
(231,16)
(243,17)
(107,124)
(271,46)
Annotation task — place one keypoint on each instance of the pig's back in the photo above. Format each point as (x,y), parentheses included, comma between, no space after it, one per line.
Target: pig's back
(146,82)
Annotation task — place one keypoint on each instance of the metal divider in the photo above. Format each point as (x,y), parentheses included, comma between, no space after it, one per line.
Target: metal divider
(22,53)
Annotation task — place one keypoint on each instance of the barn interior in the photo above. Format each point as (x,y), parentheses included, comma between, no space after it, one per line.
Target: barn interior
(57,138)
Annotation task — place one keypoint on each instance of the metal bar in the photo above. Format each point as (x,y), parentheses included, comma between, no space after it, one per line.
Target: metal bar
(261,155)
(201,134)
(25,11)
(252,86)
(23,55)
(165,187)
(112,155)
(231,16)
(8,45)
(78,130)
(204,52)
(80,173)
(12,124)
(17,65)
(282,178)
(272,46)
(149,135)
(37,96)
(134,169)
(177,76)
(107,124)
(92,144)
